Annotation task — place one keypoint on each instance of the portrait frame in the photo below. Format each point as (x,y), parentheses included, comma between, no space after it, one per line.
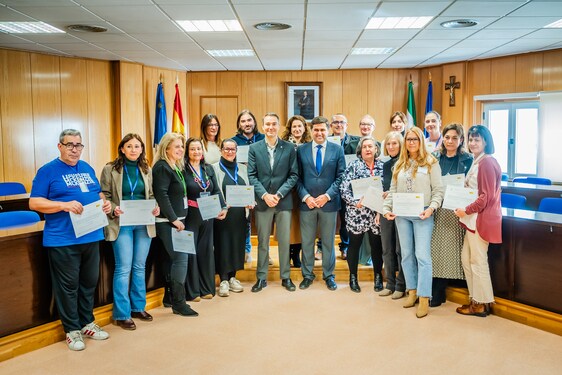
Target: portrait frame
(297,102)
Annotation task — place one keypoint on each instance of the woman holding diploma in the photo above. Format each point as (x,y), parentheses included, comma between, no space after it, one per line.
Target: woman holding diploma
(168,184)
(128,177)
(360,219)
(418,173)
(200,182)
(448,235)
(230,233)
(482,220)
(391,254)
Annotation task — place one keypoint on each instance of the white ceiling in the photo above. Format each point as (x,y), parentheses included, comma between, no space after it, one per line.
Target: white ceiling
(322,35)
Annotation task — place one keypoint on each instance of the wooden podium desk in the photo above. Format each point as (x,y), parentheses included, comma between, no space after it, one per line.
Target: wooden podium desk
(533,193)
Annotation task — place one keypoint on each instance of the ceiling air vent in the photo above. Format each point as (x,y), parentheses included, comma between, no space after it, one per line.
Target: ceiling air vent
(459,24)
(87,28)
(272,26)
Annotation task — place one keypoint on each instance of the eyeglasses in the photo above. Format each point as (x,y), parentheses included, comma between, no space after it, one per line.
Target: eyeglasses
(229,149)
(412,140)
(338,122)
(213,125)
(365,124)
(69,146)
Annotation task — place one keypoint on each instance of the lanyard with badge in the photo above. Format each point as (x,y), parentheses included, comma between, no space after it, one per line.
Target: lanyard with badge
(133,187)
(235,177)
(198,178)
(182,180)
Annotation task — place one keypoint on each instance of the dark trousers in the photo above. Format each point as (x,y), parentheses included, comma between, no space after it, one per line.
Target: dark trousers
(344,235)
(176,264)
(74,273)
(355,241)
(201,266)
(392,256)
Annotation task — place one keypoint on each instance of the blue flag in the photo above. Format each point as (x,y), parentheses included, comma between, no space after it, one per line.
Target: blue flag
(428,103)
(160,120)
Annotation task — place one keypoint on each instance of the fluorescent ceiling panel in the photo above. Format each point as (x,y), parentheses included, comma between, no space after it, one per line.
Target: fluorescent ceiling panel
(29,28)
(398,22)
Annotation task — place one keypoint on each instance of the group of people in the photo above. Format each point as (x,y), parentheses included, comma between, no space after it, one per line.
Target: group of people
(303,181)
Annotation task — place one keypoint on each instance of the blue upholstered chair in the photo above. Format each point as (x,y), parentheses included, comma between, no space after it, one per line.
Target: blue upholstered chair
(551,205)
(515,201)
(11,188)
(533,180)
(505,177)
(13,219)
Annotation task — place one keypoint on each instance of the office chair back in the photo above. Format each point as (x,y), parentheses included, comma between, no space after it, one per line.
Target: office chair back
(13,219)
(551,205)
(11,188)
(533,180)
(505,177)
(515,201)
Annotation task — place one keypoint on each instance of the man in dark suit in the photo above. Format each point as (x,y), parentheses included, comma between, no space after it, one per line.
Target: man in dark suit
(321,166)
(349,144)
(272,169)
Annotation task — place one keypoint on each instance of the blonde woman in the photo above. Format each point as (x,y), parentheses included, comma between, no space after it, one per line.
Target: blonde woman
(418,172)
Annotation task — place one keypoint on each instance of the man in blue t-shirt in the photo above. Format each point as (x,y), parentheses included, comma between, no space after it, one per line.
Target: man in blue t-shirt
(61,186)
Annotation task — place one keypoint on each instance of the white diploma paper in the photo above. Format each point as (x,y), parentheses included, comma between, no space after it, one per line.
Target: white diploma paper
(407,204)
(361,185)
(137,212)
(430,146)
(91,219)
(373,199)
(453,179)
(240,195)
(335,139)
(242,154)
(469,221)
(209,207)
(349,159)
(183,241)
(458,197)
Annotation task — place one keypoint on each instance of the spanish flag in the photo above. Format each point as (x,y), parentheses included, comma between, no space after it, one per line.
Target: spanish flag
(177,121)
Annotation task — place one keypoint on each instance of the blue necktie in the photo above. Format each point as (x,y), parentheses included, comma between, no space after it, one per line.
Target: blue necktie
(318,159)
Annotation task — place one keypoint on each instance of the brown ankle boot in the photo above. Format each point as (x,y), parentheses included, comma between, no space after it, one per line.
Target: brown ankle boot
(411,300)
(423,307)
(475,309)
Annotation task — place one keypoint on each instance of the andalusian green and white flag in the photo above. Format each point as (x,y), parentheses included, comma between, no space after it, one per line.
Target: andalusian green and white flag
(411,106)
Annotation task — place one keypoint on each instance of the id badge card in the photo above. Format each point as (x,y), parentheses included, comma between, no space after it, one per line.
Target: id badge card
(185,202)
(204,194)
(83,187)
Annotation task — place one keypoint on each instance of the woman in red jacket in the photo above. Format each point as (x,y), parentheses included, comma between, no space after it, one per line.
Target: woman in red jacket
(483,221)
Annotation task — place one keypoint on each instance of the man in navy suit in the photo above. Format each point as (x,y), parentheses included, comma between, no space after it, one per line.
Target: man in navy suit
(321,166)
(272,169)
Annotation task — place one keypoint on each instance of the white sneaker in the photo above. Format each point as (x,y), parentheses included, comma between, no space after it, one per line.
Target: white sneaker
(74,341)
(235,286)
(94,331)
(223,289)
(248,257)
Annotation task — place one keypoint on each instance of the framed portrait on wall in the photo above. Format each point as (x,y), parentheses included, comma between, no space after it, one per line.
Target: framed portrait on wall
(303,98)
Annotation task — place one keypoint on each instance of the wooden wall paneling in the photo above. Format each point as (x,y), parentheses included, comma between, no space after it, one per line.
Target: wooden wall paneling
(150,79)
(227,111)
(254,95)
(529,72)
(276,95)
(1,101)
(229,83)
(17,118)
(552,70)
(503,75)
(332,95)
(400,99)
(74,98)
(453,114)
(304,76)
(102,127)
(45,90)
(208,104)
(131,100)
(203,84)
(380,98)
(355,89)
(478,79)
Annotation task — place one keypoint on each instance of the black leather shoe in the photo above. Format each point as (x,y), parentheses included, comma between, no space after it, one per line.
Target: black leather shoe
(354,284)
(127,324)
(142,315)
(305,283)
(331,283)
(378,282)
(288,284)
(259,285)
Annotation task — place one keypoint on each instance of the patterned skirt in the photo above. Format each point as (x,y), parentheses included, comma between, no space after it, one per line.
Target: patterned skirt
(446,245)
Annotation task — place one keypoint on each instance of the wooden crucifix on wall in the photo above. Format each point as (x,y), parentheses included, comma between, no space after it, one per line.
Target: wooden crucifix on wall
(451,86)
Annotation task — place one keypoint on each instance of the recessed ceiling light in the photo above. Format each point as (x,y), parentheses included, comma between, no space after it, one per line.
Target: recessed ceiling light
(230,52)
(28,28)
(210,25)
(87,28)
(371,51)
(272,26)
(397,22)
(555,24)
(459,24)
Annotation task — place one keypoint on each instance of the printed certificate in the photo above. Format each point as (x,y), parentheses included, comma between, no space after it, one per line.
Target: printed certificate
(349,159)
(407,204)
(183,241)
(137,212)
(334,139)
(240,195)
(453,179)
(209,206)
(373,199)
(361,185)
(458,197)
(242,154)
(91,219)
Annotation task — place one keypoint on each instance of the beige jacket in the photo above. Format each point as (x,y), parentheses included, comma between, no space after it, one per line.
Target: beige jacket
(111,183)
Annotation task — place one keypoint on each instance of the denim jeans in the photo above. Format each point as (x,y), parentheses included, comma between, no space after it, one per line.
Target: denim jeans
(130,250)
(415,243)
